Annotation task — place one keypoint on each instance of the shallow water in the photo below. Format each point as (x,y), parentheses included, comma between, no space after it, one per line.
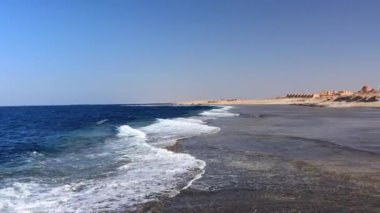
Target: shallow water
(286,159)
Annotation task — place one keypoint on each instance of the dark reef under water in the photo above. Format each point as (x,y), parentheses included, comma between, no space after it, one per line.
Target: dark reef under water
(285,159)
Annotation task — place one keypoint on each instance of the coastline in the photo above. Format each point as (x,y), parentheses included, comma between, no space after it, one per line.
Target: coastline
(284,101)
(248,171)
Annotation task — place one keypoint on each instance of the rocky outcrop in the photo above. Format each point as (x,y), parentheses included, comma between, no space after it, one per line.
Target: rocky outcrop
(357,98)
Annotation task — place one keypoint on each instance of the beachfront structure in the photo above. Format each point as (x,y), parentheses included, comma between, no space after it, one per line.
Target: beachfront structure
(345,93)
(328,94)
(323,94)
(367,89)
(302,95)
(332,94)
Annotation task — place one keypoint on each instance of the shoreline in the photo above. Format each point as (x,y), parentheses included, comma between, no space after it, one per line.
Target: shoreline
(244,174)
(310,102)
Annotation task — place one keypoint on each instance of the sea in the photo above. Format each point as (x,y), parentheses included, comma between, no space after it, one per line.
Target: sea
(100,158)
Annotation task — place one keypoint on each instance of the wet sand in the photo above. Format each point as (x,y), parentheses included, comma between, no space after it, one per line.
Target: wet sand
(285,159)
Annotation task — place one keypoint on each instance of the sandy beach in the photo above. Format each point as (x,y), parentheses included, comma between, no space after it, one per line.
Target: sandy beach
(284,101)
(284,159)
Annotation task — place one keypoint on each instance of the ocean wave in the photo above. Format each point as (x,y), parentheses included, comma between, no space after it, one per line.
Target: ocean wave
(101,121)
(219,112)
(127,131)
(117,175)
(149,172)
(165,132)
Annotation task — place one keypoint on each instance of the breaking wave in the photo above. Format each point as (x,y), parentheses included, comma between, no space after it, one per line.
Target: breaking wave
(219,112)
(125,171)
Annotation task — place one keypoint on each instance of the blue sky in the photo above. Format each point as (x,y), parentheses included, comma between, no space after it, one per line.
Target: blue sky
(134,51)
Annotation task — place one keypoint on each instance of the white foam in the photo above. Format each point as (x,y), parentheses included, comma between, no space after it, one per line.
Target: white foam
(151,172)
(101,122)
(190,120)
(124,172)
(166,132)
(219,112)
(127,131)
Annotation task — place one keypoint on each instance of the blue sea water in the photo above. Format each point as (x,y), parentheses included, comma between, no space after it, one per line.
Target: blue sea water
(96,157)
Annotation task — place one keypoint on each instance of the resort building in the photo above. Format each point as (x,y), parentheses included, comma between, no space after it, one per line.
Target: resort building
(323,94)
(332,94)
(302,95)
(367,89)
(345,93)
(327,94)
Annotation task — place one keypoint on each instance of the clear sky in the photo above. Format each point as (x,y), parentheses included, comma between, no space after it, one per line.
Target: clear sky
(133,51)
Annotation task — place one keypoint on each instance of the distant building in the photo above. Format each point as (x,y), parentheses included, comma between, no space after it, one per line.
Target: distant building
(324,94)
(330,94)
(302,95)
(327,94)
(333,94)
(345,93)
(367,89)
